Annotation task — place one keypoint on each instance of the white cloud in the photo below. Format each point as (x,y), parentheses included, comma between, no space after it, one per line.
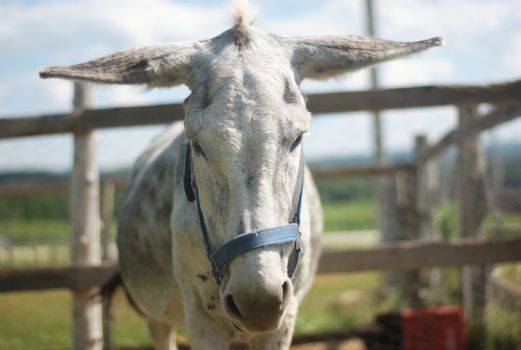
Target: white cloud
(121,96)
(61,92)
(119,148)
(511,59)
(333,17)
(465,20)
(63,32)
(162,20)
(417,71)
(337,135)
(45,153)
(477,33)
(401,127)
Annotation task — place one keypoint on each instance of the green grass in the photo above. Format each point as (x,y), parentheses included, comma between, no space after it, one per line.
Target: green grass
(35,320)
(129,327)
(338,216)
(504,328)
(34,231)
(42,320)
(352,215)
(512,273)
(342,301)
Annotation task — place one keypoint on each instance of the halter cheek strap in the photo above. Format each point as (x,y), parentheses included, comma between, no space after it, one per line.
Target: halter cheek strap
(242,243)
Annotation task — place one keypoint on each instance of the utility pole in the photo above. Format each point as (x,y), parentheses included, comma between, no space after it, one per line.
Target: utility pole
(385,189)
(377,124)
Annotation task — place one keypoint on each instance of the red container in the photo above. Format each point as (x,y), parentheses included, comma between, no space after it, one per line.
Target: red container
(434,328)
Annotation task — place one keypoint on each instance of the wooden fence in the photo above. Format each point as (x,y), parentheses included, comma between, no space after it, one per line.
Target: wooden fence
(87,271)
(424,96)
(400,256)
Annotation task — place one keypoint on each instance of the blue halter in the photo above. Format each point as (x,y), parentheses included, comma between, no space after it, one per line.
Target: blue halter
(244,242)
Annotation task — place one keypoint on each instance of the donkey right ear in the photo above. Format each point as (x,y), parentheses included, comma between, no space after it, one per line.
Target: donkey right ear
(328,56)
(163,65)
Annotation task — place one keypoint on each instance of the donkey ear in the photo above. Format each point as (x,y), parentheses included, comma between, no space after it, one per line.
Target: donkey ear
(328,56)
(162,65)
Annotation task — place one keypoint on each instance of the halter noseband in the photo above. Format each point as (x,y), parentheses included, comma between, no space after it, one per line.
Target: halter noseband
(244,242)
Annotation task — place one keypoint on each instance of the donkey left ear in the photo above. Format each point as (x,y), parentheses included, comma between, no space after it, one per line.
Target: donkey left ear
(328,56)
(155,66)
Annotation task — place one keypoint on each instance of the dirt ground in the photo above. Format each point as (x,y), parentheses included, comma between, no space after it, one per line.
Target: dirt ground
(353,344)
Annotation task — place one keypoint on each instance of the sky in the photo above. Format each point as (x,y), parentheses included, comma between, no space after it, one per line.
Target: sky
(483,45)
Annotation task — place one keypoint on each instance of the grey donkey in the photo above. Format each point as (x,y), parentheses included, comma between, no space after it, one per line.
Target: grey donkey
(230,182)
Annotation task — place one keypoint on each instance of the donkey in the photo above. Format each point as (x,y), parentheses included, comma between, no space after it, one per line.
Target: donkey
(222,219)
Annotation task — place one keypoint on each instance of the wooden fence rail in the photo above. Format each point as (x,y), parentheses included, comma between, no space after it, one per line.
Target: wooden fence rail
(424,96)
(23,188)
(416,255)
(402,256)
(71,277)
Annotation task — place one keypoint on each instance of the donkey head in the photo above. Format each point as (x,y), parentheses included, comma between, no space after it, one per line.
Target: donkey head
(245,119)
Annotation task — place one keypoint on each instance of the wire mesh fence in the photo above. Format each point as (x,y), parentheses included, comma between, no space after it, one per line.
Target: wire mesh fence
(492,181)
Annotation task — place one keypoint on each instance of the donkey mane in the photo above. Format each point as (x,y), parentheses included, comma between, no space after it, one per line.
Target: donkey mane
(242,17)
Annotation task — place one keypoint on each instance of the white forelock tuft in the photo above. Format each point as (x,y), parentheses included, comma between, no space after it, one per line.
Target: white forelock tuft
(243,14)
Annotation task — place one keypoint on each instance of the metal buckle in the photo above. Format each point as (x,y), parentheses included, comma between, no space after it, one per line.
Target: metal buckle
(298,246)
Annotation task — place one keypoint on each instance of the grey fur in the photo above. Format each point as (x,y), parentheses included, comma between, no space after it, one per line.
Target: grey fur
(325,57)
(245,111)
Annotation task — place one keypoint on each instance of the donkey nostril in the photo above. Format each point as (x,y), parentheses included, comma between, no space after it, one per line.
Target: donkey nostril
(231,307)
(286,290)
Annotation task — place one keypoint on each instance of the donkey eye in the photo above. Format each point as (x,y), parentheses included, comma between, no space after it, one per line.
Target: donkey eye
(295,143)
(198,149)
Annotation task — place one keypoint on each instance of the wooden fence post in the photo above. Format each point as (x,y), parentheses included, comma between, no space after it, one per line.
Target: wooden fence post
(85,221)
(388,214)
(427,200)
(407,185)
(427,197)
(107,209)
(495,185)
(470,170)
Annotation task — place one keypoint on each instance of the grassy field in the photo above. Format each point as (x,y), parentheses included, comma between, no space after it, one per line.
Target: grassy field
(338,216)
(35,231)
(40,241)
(350,215)
(42,320)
